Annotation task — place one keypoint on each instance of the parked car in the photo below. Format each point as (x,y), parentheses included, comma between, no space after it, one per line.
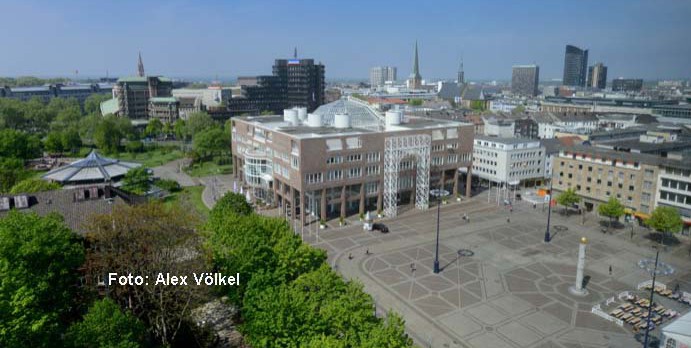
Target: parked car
(380,227)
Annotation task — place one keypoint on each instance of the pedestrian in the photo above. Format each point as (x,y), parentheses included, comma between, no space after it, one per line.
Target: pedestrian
(508,220)
(534,206)
(350,256)
(676,288)
(367,251)
(610,269)
(465,216)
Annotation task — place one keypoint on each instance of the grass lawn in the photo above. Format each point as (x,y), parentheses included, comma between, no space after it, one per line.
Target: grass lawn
(209,168)
(189,196)
(150,158)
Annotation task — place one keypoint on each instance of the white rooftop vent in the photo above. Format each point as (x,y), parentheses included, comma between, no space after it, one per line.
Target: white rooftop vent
(342,121)
(314,120)
(4,203)
(291,116)
(393,118)
(21,202)
(302,114)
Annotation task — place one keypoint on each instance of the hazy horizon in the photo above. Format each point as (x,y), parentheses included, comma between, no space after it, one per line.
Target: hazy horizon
(636,39)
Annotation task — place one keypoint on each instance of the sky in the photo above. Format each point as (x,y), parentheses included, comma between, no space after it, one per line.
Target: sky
(644,39)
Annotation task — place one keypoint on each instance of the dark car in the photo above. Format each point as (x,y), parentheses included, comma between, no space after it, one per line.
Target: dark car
(380,227)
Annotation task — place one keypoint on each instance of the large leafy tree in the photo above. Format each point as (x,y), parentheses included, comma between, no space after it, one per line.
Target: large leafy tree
(92,104)
(613,210)
(568,198)
(149,239)
(11,172)
(665,220)
(211,142)
(34,185)
(154,128)
(197,122)
(107,135)
(18,144)
(39,258)
(105,325)
(137,180)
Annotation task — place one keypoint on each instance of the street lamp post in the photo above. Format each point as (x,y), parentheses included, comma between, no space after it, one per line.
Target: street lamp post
(436,250)
(650,305)
(549,209)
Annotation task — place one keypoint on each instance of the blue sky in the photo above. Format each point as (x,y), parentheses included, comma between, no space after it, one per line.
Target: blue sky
(648,39)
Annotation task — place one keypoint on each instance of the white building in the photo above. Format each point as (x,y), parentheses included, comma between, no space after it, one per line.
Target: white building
(674,189)
(508,160)
(677,334)
(379,75)
(550,123)
(499,128)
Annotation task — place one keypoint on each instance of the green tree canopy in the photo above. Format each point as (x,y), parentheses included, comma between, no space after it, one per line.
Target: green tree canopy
(415,102)
(34,185)
(92,104)
(568,198)
(105,325)
(153,128)
(137,180)
(107,134)
(210,142)
(613,209)
(197,122)
(39,257)
(11,172)
(18,144)
(665,220)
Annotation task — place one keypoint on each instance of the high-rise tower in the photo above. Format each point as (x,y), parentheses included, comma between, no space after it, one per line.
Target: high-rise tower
(575,66)
(415,80)
(140,66)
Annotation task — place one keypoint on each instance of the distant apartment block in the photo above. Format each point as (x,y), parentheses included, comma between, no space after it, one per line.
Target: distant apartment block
(525,79)
(378,75)
(509,161)
(597,76)
(46,93)
(627,85)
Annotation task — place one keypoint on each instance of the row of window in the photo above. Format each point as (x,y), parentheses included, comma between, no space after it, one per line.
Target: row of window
(677,185)
(356,157)
(645,196)
(675,197)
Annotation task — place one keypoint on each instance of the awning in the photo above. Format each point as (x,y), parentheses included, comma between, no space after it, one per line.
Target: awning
(640,215)
(628,211)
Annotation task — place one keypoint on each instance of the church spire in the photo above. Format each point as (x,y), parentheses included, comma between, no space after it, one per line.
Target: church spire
(461,73)
(140,66)
(295,53)
(416,65)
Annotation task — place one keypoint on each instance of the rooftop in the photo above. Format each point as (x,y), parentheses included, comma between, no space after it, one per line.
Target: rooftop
(505,141)
(163,100)
(142,79)
(90,169)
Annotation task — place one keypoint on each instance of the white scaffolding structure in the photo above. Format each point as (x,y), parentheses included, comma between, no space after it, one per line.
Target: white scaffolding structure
(396,149)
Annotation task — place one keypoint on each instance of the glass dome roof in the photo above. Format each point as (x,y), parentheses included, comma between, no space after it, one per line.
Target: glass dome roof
(361,114)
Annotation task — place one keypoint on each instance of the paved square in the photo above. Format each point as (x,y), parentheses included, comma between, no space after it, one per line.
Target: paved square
(507,288)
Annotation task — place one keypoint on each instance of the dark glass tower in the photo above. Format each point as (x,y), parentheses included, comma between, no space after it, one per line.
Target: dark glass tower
(575,66)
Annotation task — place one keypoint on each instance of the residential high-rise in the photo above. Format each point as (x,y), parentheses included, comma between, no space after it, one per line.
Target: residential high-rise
(415,80)
(597,76)
(378,75)
(575,66)
(295,82)
(524,80)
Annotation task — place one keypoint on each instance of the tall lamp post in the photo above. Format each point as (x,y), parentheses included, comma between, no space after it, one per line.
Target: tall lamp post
(549,209)
(650,305)
(436,249)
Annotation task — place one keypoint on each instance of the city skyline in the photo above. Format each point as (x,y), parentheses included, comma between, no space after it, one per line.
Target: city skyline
(186,39)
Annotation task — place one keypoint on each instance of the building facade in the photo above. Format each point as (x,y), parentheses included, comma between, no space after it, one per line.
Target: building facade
(322,165)
(509,161)
(674,189)
(575,66)
(132,95)
(525,79)
(627,85)
(295,82)
(164,109)
(46,93)
(597,76)
(378,75)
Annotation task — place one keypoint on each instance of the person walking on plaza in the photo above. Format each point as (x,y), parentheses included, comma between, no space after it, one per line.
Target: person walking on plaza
(610,270)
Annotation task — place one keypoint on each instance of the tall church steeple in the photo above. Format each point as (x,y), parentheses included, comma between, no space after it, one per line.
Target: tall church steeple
(415,80)
(461,74)
(140,66)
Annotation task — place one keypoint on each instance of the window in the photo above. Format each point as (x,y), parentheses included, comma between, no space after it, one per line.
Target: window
(334,160)
(294,148)
(335,175)
(353,142)
(590,169)
(354,157)
(437,135)
(609,184)
(373,157)
(649,173)
(452,133)
(355,172)
(437,161)
(372,170)
(452,159)
(631,188)
(334,144)
(295,162)
(314,178)
(371,188)
(647,185)
(437,147)
(645,197)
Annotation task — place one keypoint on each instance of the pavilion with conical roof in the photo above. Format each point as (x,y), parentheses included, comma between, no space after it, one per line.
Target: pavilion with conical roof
(92,169)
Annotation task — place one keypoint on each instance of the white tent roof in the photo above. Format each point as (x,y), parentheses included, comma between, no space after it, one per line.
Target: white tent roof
(679,329)
(92,168)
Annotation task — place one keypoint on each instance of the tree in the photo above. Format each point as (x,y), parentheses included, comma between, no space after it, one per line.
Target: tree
(613,209)
(134,146)
(34,185)
(211,141)
(415,102)
(18,144)
(39,257)
(266,113)
(665,220)
(106,325)
(11,172)
(137,180)
(92,104)
(231,203)
(154,128)
(568,198)
(71,141)
(152,239)
(53,142)
(197,122)
(107,135)
(518,110)
(180,129)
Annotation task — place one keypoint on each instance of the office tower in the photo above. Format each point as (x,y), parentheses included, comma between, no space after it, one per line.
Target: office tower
(415,80)
(597,76)
(575,66)
(378,75)
(524,80)
(295,82)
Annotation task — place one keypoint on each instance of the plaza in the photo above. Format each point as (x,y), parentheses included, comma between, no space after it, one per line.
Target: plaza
(500,285)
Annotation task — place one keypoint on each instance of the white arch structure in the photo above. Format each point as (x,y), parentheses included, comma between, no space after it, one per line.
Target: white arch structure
(395,149)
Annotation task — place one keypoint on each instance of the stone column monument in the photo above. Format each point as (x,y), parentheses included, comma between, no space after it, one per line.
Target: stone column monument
(578,289)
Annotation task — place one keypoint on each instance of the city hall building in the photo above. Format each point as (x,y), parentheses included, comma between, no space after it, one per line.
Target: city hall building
(346,158)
